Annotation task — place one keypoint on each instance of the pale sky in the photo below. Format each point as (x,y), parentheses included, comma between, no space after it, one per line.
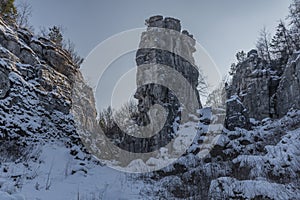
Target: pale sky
(221,27)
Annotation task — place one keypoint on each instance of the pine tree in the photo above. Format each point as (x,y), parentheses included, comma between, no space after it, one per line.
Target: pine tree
(294,13)
(282,45)
(8,11)
(217,98)
(240,56)
(294,17)
(55,35)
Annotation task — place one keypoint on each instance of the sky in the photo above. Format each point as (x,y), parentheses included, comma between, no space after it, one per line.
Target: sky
(221,27)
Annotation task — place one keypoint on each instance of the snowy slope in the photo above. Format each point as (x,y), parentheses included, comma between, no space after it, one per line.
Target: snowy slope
(57,175)
(263,163)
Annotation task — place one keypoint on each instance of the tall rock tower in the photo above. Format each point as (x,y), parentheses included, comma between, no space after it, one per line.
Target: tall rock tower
(166,75)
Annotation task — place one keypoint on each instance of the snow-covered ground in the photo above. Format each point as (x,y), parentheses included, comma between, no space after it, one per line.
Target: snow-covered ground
(55,174)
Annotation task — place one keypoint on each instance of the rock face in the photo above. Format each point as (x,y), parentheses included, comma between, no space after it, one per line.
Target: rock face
(37,81)
(255,82)
(265,90)
(288,92)
(160,49)
(236,114)
(4,84)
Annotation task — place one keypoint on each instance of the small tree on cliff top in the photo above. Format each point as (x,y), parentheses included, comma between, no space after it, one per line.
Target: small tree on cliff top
(55,35)
(263,45)
(8,11)
(282,44)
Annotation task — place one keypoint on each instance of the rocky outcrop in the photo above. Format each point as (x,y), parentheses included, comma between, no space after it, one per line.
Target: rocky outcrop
(288,92)
(163,46)
(37,81)
(236,114)
(265,90)
(167,80)
(161,22)
(255,82)
(257,164)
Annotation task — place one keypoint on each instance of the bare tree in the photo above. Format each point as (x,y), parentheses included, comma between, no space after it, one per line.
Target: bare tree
(263,45)
(23,15)
(109,118)
(70,47)
(217,97)
(43,32)
(203,85)
(106,120)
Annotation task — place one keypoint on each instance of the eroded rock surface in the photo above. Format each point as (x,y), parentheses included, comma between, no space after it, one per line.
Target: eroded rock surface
(36,87)
(265,90)
(164,48)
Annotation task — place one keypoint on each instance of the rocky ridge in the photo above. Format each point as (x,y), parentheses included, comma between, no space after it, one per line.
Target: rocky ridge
(37,92)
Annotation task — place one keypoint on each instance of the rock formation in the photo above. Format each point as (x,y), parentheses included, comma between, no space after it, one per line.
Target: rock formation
(288,92)
(244,164)
(176,53)
(37,80)
(166,76)
(265,90)
(236,114)
(255,83)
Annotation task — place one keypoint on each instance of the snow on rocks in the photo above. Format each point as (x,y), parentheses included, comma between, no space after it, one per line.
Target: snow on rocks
(230,188)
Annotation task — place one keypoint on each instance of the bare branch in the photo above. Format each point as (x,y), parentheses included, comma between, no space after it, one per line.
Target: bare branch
(23,15)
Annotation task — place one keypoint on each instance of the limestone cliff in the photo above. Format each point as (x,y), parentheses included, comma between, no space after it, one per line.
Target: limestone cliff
(175,53)
(288,92)
(37,88)
(166,76)
(264,89)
